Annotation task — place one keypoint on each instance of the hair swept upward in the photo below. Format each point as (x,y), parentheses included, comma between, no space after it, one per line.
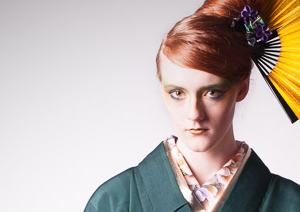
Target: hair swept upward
(205,41)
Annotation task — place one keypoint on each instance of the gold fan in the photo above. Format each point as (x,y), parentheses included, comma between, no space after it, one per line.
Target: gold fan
(279,63)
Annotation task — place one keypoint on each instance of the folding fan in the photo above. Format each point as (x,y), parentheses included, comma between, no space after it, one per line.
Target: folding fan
(279,59)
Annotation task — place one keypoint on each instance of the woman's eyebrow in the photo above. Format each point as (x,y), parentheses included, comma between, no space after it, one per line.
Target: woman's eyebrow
(172,86)
(222,84)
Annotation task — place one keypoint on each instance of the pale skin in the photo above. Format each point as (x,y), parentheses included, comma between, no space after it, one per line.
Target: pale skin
(201,106)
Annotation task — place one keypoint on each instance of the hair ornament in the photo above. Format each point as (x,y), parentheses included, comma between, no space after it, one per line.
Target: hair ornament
(254,26)
(249,15)
(275,48)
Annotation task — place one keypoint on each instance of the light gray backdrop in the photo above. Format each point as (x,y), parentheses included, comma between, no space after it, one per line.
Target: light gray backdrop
(79,101)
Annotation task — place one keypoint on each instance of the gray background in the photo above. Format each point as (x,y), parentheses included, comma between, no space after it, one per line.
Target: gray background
(80,101)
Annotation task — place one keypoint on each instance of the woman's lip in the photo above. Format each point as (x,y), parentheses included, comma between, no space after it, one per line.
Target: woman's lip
(196,131)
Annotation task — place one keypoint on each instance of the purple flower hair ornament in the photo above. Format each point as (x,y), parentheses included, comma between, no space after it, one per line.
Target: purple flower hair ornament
(253,25)
(249,15)
(262,32)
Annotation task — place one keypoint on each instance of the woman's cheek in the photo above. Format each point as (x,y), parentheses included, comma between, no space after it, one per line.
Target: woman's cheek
(176,112)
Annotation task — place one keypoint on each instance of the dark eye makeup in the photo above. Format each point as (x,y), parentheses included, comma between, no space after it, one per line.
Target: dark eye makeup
(215,93)
(177,94)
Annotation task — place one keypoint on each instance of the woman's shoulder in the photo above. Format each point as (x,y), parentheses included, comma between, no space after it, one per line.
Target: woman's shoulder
(116,183)
(285,184)
(282,195)
(113,194)
(284,188)
(123,191)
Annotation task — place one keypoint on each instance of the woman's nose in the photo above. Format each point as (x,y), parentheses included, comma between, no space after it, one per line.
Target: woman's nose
(196,110)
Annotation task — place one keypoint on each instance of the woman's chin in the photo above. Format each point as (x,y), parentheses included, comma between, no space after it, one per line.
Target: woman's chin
(195,143)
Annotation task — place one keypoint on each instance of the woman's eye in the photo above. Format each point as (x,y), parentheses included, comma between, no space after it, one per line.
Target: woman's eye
(214,93)
(177,94)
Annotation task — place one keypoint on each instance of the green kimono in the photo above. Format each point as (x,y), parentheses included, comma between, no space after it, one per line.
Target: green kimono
(152,187)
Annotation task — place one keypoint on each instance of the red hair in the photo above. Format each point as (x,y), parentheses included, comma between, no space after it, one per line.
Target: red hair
(206,42)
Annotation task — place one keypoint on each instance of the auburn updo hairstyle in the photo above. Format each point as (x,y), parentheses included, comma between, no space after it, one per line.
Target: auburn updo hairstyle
(205,41)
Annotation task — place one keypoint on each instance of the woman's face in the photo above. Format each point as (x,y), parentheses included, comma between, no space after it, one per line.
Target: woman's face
(201,105)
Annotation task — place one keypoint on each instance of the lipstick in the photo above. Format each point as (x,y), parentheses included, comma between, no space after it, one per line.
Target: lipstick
(196,131)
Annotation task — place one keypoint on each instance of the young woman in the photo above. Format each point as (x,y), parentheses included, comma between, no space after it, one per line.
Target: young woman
(203,66)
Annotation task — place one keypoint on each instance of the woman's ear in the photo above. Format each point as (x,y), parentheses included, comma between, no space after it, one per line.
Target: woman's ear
(243,89)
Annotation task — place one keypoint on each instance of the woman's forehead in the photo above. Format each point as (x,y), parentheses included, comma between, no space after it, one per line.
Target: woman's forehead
(175,75)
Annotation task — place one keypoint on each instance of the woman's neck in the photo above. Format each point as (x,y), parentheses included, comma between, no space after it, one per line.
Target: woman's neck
(205,164)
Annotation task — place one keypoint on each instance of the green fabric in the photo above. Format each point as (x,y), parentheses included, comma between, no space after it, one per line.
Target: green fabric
(152,187)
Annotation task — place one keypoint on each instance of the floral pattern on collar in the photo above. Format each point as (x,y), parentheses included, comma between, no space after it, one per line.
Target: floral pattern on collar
(208,193)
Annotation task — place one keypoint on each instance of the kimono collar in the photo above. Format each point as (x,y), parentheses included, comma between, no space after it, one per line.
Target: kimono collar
(160,186)
(249,190)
